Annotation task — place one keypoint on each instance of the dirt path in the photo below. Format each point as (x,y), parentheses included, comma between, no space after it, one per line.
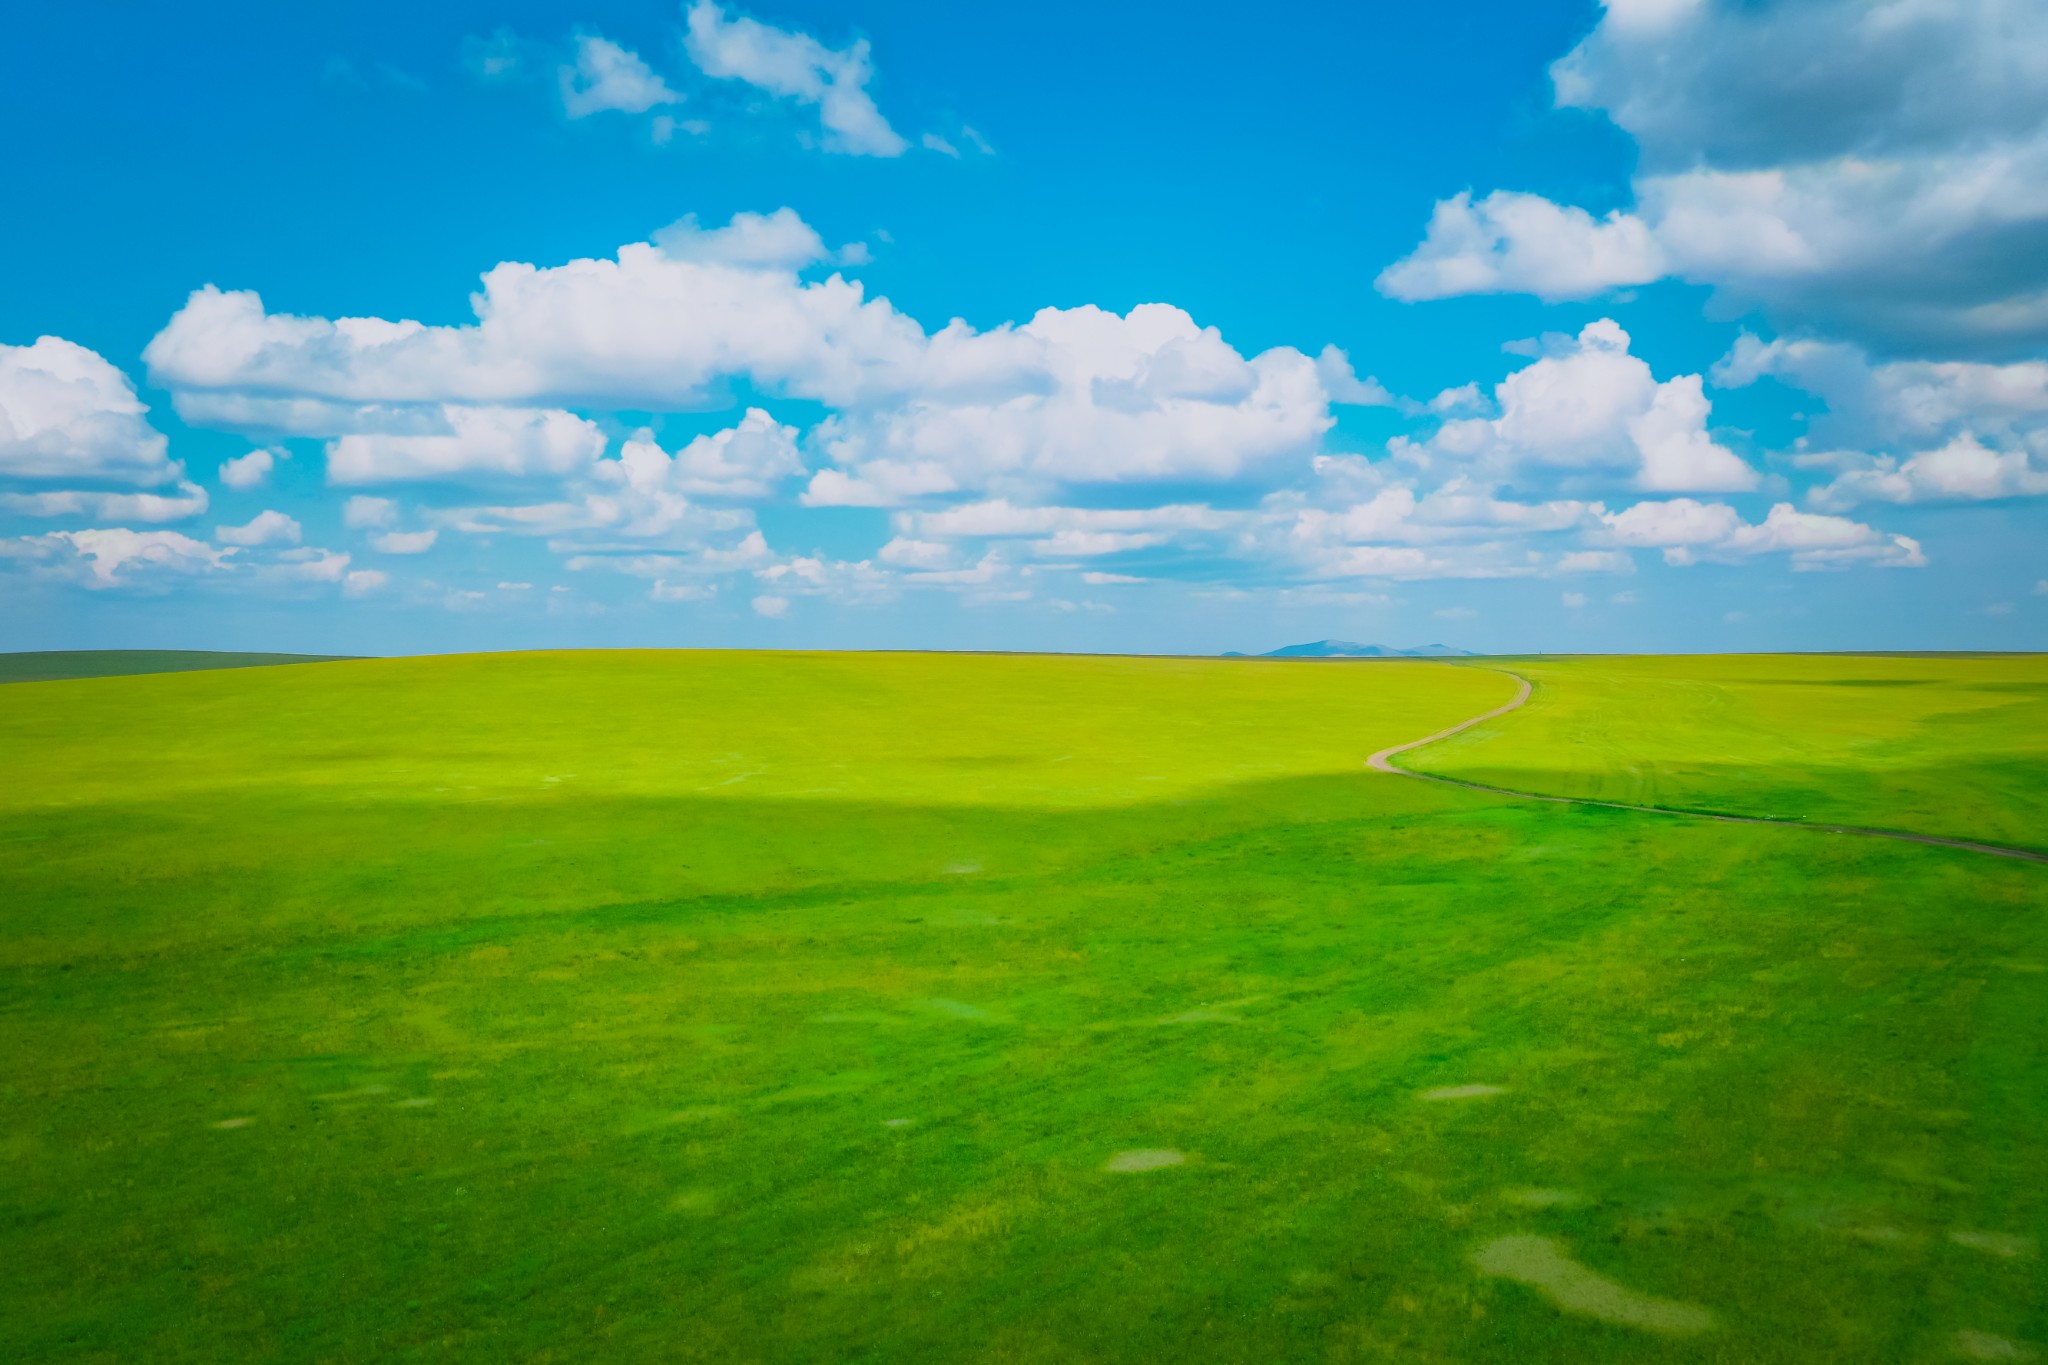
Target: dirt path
(1383,761)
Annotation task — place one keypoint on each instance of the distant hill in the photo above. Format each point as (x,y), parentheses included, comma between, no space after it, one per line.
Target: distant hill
(57,665)
(1351,649)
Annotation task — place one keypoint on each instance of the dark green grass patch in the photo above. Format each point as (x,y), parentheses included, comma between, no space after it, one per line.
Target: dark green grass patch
(62,664)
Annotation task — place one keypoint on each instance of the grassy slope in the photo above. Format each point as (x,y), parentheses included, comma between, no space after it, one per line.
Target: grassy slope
(59,664)
(1955,746)
(599,1066)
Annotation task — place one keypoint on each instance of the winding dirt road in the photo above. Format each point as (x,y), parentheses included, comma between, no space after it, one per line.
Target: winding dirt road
(1383,761)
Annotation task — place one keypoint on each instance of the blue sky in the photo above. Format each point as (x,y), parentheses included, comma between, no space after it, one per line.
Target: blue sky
(1515,326)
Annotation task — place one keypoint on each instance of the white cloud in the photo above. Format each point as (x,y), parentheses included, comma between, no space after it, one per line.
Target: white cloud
(118,557)
(745,461)
(606,76)
(1964,470)
(645,330)
(1679,521)
(906,552)
(308,565)
(795,66)
(879,483)
(1594,407)
(494,58)
(1898,192)
(66,413)
(509,442)
(1074,395)
(771,606)
(528,519)
(1817,541)
(1902,403)
(247,471)
(1463,401)
(1065,532)
(189,501)
(1574,600)
(1009,425)
(362,582)
(1093,397)
(266,528)
(1909,431)
(404,542)
(644,493)
(1689,531)
(839,580)
(1343,385)
(1523,243)
(1097,578)
(362,512)
(978,575)
(1597,561)
(763,241)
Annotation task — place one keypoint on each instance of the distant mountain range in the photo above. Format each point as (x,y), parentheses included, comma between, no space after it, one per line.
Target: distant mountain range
(1351,649)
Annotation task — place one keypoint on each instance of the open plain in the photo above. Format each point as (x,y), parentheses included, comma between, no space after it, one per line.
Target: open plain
(826,1007)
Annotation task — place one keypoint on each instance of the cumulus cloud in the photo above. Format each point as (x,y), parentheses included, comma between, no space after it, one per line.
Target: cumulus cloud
(1897,192)
(1964,470)
(66,413)
(648,329)
(244,472)
(1689,531)
(1343,385)
(745,461)
(907,552)
(798,67)
(362,512)
(1360,519)
(1074,395)
(605,76)
(1522,243)
(308,565)
(189,501)
(1898,403)
(1094,397)
(363,582)
(117,557)
(266,528)
(1064,532)
(987,445)
(404,542)
(508,442)
(1596,408)
(768,241)
(1908,431)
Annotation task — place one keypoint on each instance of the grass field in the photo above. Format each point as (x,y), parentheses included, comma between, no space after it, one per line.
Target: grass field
(1951,745)
(684,1006)
(58,664)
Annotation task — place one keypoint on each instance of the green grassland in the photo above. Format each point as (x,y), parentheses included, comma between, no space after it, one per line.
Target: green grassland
(1949,745)
(686,1006)
(52,665)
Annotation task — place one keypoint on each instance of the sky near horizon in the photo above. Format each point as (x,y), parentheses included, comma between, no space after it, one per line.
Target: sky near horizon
(1659,325)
